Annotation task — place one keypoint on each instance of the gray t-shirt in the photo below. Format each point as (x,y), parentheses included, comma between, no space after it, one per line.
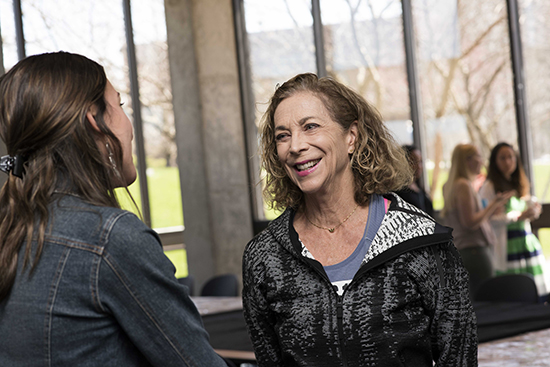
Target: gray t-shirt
(342,273)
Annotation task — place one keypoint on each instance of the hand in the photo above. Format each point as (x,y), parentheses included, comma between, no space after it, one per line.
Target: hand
(527,214)
(503,197)
(500,201)
(499,210)
(534,211)
(538,210)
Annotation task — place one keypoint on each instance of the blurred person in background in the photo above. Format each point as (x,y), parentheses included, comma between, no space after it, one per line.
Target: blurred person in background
(414,193)
(517,249)
(463,211)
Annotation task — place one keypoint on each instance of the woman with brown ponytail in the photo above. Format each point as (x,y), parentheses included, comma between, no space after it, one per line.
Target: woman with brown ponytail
(82,282)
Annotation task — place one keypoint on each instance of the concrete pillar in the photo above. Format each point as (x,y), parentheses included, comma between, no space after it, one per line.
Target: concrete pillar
(223,132)
(211,145)
(189,139)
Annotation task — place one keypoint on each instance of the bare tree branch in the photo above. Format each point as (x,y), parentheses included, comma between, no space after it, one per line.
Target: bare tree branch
(481,37)
(448,77)
(365,58)
(290,14)
(484,92)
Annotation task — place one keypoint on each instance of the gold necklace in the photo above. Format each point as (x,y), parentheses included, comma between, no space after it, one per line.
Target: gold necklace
(331,230)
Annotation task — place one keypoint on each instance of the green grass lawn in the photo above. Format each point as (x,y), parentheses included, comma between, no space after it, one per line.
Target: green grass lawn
(164,195)
(542,181)
(179,259)
(165,205)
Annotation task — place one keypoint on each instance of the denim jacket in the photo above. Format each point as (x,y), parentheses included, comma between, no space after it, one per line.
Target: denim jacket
(102,294)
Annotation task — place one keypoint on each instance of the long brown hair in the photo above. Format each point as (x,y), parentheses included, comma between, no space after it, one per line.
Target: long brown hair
(518,182)
(43,106)
(378,163)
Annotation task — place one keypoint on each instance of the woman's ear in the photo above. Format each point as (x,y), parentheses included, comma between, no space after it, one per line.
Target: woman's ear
(90,115)
(352,137)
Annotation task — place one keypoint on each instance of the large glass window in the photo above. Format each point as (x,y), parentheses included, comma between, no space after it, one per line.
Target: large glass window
(93,28)
(364,49)
(9,47)
(534,26)
(280,37)
(463,57)
(157,114)
(534,15)
(96,29)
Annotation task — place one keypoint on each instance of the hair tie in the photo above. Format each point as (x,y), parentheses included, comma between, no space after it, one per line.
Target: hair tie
(13,164)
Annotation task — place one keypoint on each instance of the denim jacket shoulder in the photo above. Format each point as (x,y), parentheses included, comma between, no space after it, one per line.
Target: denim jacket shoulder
(102,293)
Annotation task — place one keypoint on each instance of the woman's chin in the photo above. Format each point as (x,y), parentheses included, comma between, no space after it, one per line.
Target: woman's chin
(130,179)
(127,179)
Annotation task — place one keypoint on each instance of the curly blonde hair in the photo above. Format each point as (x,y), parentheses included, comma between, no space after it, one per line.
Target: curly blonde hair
(378,163)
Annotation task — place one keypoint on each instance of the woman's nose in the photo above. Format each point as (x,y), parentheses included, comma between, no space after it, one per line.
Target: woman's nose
(297,143)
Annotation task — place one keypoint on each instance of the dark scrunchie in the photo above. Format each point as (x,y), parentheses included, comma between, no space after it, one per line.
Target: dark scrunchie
(12,164)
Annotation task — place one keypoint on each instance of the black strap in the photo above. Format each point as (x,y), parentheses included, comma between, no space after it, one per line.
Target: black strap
(439,267)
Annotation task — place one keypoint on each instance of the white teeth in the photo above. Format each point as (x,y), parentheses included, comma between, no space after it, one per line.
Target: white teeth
(307,165)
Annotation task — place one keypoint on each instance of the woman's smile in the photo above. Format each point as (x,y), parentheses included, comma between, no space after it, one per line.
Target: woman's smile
(306,167)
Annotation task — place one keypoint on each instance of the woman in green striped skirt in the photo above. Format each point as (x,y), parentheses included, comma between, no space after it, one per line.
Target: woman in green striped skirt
(517,250)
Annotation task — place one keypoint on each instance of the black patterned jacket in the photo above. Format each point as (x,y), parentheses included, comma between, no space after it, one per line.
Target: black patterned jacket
(408,304)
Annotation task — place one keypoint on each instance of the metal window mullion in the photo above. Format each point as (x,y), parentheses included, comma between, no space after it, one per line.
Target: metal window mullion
(318,38)
(2,70)
(248,111)
(414,86)
(136,106)
(19,35)
(522,117)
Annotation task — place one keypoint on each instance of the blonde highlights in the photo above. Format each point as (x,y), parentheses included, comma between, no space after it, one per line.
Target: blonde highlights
(459,169)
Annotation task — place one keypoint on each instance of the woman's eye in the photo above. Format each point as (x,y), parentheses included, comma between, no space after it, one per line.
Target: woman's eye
(311,126)
(280,137)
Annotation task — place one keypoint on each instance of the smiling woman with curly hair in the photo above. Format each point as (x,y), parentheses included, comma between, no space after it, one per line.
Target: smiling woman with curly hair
(378,164)
(349,274)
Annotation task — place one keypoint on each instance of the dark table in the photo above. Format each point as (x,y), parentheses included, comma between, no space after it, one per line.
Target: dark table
(498,320)
(223,319)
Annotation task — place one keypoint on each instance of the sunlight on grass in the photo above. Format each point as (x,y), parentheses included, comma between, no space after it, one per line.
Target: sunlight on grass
(179,259)
(165,204)
(544,238)
(164,195)
(438,194)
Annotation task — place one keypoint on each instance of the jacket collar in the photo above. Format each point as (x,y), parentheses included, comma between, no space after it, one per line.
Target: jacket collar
(403,228)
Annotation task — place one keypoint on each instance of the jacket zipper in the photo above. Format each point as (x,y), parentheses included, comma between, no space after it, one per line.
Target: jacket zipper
(340,322)
(339,309)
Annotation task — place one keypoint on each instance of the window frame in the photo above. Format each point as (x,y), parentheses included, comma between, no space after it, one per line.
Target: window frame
(169,236)
(419,137)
